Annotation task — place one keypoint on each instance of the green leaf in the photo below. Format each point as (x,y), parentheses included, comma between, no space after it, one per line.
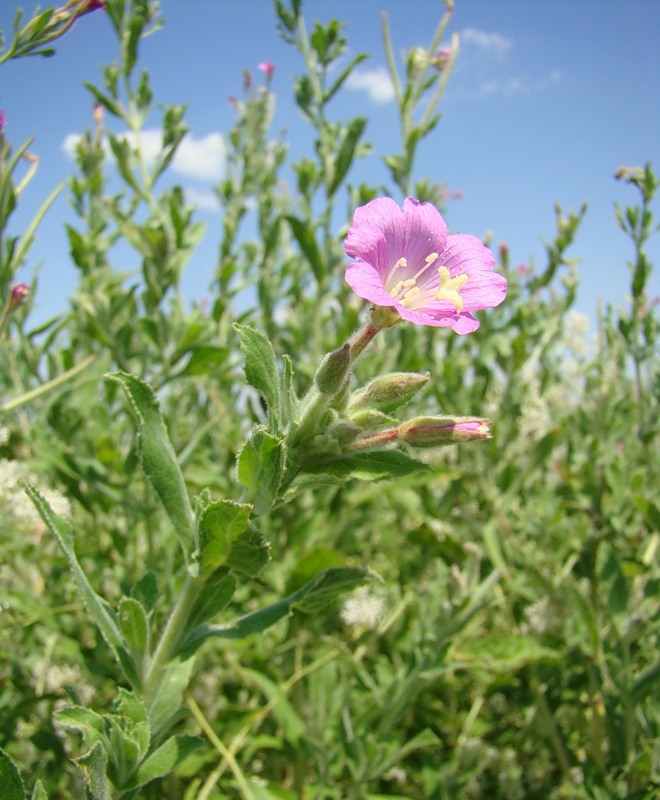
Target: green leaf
(370,465)
(261,465)
(10,779)
(425,738)
(167,703)
(645,682)
(134,627)
(289,391)
(321,590)
(292,725)
(38,792)
(502,653)
(304,235)
(214,597)
(346,153)
(249,554)
(93,766)
(165,758)
(145,591)
(95,605)
(220,525)
(158,458)
(261,366)
(343,75)
(205,359)
(87,722)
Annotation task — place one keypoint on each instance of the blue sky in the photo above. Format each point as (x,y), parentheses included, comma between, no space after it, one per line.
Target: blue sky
(548,98)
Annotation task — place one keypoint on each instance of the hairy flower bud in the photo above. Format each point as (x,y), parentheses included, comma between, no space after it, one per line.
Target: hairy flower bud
(390,391)
(434,431)
(333,370)
(370,418)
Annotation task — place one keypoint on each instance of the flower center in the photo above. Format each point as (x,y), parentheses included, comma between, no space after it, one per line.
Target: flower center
(410,295)
(450,288)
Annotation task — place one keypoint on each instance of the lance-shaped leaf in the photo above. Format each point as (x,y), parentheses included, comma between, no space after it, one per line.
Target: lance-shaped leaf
(261,366)
(323,589)
(135,628)
(166,705)
(10,779)
(100,611)
(158,459)
(304,235)
(367,465)
(220,524)
(346,154)
(39,792)
(165,758)
(93,766)
(261,464)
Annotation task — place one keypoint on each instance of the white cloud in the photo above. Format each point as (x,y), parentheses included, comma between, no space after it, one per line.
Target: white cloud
(492,42)
(204,199)
(201,159)
(512,86)
(375,82)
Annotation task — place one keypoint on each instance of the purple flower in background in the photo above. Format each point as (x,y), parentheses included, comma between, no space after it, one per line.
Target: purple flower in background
(268,68)
(3,121)
(18,296)
(404,259)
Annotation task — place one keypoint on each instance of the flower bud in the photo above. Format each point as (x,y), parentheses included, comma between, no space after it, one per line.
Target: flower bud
(369,418)
(390,391)
(434,431)
(18,295)
(333,371)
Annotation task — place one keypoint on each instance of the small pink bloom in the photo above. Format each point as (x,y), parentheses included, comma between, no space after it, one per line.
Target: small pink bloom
(406,260)
(268,68)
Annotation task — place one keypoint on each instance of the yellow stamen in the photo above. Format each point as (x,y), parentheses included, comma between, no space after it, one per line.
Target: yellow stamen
(402,262)
(450,287)
(409,297)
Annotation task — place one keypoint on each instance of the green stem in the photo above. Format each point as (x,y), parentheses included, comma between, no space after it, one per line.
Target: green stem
(171,638)
(46,387)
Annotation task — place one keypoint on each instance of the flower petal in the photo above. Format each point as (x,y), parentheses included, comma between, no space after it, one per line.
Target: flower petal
(459,323)
(366,282)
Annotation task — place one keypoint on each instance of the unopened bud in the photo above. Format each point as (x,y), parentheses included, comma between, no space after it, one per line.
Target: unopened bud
(370,418)
(390,391)
(344,431)
(18,295)
(333,371)
(434,431)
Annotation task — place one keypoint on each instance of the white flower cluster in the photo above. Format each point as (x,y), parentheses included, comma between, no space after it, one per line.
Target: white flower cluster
(364,609)
(14,501)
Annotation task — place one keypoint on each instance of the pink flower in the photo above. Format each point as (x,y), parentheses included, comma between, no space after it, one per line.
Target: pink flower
(268,68)
(3,121)
(405,260)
